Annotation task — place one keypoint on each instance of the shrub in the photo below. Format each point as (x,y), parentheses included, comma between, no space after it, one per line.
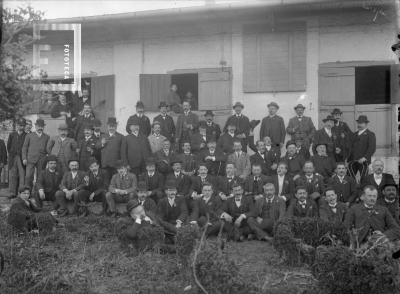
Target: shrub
(185,241)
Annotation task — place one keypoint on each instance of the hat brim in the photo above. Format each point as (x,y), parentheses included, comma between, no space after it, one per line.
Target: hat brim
(238,105)
(362,121)
(274,105)
(302,107)
(331,119)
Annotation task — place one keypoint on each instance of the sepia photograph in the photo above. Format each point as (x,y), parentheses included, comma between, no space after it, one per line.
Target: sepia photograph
(199,147)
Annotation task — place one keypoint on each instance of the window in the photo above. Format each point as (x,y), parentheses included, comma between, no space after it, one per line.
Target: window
(373,84)
(274,60)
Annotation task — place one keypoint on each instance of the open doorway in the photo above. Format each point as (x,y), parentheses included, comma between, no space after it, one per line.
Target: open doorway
(188,87)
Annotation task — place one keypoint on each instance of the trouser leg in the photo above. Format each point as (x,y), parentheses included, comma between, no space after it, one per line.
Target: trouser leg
(110,202)
(260,229)
(30,172)
(61,200)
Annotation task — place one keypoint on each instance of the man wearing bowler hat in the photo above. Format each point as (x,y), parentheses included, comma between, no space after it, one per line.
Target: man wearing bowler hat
(110,145)
(15,167)
(343,132)
(153,180)
(301,126)
(273,126)
(141,118)
(166,122)
(213,131)
(242,124)
(34,151)
(63,147)
(328,137)
(363,148)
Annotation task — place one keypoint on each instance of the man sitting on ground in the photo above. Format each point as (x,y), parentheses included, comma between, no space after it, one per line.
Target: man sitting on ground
(390,200)
(303,206)
(331,209)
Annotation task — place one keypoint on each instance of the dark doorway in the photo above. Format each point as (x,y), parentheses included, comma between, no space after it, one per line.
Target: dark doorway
(187,83)
(373,84)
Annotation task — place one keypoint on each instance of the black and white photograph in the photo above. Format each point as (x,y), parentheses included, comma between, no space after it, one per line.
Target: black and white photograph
(199,147)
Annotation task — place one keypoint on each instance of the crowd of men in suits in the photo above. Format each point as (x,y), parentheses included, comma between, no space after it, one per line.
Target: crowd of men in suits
(193,173)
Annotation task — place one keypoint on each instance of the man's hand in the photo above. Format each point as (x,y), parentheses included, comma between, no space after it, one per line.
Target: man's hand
(24,162)
(243,177)
(241,136)
(91,196)
(362,160)
(68,195)
(347,204)
(259,219)
(222,196)
(149,193)
(296,177)
(238,221)
(283,197)
(178,223)
(41,194)
(103,141)
(259,196)
(193,223)
(226,217)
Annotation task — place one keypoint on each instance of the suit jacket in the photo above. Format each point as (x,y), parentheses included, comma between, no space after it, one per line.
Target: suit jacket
(270,157)
(213,131)
(321,136)
(378,219)
(167,126)
(215,167)
(213,208)
(346,191)
(181,130)
(48,181)
(144,124)
(266,210)
(22,215)
(197,142)
(156,142)
(327,213)
(225,143)
(34,148)
(14,146)
(303,151)
(363,145)
(98,183)
(303,128)
(128,183)
(246,207)
(112,150)
(163,161)
(135,150)
(189,162)
(80,124)
(296,210)
(370,180)
(324,165)
(253,188)
(242,163)
(393,207)
(3,152)
(273,127)
(171,214)
(68,147)
(287,187)
(242,124)
(197,184)
(149,206)
(154,183)
(77,183)
(182,183)
(344,137)
(87,149)
(295,164)
(315,185)
(225,185)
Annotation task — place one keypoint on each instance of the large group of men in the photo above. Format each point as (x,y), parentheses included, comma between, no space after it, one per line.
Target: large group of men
(191,172)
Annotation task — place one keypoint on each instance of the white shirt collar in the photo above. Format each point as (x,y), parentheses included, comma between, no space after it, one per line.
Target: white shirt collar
(362,131)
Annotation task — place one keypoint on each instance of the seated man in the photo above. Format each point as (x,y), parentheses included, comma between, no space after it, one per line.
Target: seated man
(145,200)
(284,185)
(313,182)
(189,160)
(48,183)
(254,183)
(368,218)
(196,188)
(172,211)
(331,209)
(215,159)
(225,142)
(378,178)
(24,215)
(198,140)
(164,157)
(72,189)
(122,188)
(182,182)
(153,180)
(294,161)
(266,211)
(240,159)
(226,183)
(208,205)
(324,165)
(390,200)
(98,183)
(301,149)
(344,185)
(236,211)
(303,206)
(260,158)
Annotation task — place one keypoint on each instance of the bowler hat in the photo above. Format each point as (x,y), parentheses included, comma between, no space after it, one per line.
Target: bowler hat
(389,183)
(119,163)
(132,204)
(238,104)
(174,160)
(273,104)
(362,119)
(92,160)
(209,113)
(162,104)
(321,143)
(73,159)
(290,143)
(40,122)
(156,122)
(112,121)
(170,185)
(141,186)
(96,122)
(63,126)
(336,111)
(254,123)
(150,161)
(88,126)
(21,121)
(299,106)
(51,158)
(139,104)
(134,120)
(329,117)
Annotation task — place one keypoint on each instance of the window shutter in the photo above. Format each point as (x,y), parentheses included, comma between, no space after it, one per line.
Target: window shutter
(214,90)
(103,97)
(153,89)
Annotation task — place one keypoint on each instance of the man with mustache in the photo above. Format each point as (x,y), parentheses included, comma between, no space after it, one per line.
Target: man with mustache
(390,200)
(378,178)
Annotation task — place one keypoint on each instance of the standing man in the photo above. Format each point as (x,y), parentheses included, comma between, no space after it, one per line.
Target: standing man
(34,151)
(240,159)
(63,147)
(135,148)
(343,133)
(378,178)
(156,139)
(141,119)
(186,124)
(301,126)
(86,148)
(327,137)
(15,167)
(362,148)
(344,185)
(166,122)
(242,124)
(110,145)
(213,131)
(82,121)
(273,126)
(173,99)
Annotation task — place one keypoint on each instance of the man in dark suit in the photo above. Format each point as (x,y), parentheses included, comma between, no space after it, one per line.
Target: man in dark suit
(284,185)
(378,178)
(327,137)
(324,165)
(98,183)
(273,155)
(182,182)
(254,183)
(294,161)
(332,210)
(362,149)
(188,159)
(79,102)
(312,181)
(268,159)
(166,122)
(266,211)
(344,135)
(153,180)
(301,126)
(82,121)
(186,124)
(197,183)
(97,134)
(213,130)
(215,159)
(368,217)
(141,119)
(198,140)
(72,189)
(110,145)
(236,211)
(208,205)
(344,185)
(135,149)
(242,124)
(225,142)
(86,147)
(15,167)
(273,126)
(48,183)
(303,206)
(145,200)
(226,183)
(390,200)
(301,149)
(164,158)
